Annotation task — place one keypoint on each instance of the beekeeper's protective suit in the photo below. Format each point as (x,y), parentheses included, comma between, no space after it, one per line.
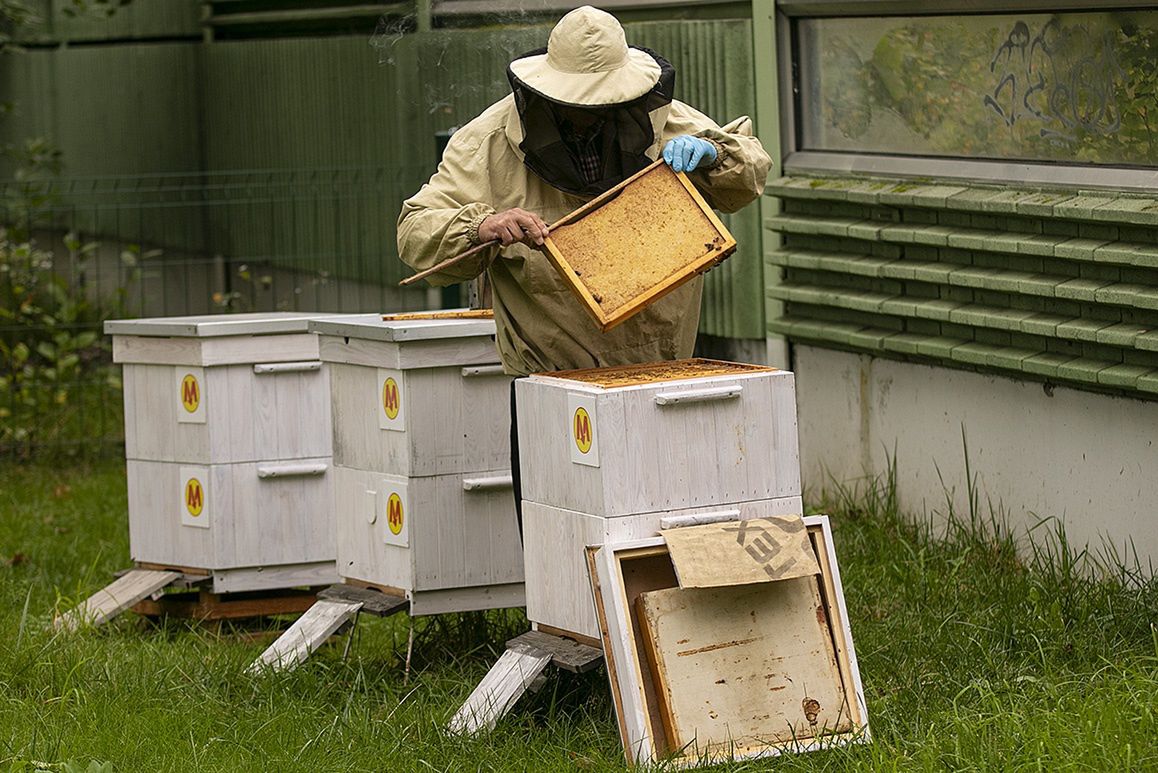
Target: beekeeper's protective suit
(583,115)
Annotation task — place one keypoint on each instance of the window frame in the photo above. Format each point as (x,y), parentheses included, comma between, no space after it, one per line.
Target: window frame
(1034,173)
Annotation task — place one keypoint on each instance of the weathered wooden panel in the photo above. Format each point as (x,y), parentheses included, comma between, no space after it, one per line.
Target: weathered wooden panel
(743,667)
(665,445)
(362,553)
(558,588)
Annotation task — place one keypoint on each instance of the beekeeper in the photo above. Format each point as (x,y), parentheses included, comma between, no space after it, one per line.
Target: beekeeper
(583,115)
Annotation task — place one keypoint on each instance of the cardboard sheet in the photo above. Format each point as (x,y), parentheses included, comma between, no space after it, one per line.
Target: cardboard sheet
(741,552)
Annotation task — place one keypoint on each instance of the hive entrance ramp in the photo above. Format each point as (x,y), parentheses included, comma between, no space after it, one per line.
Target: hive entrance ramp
(336,606)
(517,671)
(128,589)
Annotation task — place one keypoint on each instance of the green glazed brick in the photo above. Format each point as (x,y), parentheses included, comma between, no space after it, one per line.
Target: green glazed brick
(867,192)
(1041,324)
(1022,341)
(1009,358)
(1123,334)
(1038,244)
(1146,298)
(1040,204)
(1148,382)
(1098,231)
(1002,202)
(862,301)
(1147,341)
(1037,284)
(1045,364)
(1081,207)
(989,337)
(1062,228)
(900,234)
(938,347)
(922,253)
(886,250)
(869,338)
(931,272)
(972,353)
(1127,254)
(899,307)
(1082,329)
(969,277)
(923,327)
(935,235)
(1123,376)
(1082,369)
(1135,211)
(937,309)
(984,222)
(1079,289)
(1078,249)
(1119,294)
(970,199)
(971,240)
(902,343)
(954,219)
(908,194)
(917,216)
(864,229)
(1005,281)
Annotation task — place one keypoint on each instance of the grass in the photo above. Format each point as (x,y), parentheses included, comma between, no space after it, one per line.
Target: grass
(973,657)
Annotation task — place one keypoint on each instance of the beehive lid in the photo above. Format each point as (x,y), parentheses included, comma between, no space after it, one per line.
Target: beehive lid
(215,325)
(634,244)
(410,326)
(657,372)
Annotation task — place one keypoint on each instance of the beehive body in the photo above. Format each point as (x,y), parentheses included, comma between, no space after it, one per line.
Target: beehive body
(606,455)
(422,460)
(240,405)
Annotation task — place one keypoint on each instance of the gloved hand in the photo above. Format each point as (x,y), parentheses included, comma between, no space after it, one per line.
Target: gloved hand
(684,153)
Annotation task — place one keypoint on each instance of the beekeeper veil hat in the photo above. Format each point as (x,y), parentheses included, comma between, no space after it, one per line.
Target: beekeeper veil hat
(588,62)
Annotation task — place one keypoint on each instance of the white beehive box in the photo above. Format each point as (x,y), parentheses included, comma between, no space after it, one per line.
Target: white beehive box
(423,498)
(663,436)
(608,454)
(228,444)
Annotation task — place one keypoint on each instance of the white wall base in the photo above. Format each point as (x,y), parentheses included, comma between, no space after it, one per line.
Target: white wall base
(1089,459)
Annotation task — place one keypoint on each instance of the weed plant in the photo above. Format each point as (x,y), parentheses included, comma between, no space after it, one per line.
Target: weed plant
(977,653)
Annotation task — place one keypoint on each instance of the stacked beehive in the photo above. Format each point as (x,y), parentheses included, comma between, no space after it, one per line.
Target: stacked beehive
(607,454)
(227,438)
(422,459)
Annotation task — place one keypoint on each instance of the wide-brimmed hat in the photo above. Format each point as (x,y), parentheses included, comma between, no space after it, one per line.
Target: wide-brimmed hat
(588,62)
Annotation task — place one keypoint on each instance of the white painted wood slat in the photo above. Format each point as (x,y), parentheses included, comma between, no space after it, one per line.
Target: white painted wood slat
(304,637)
(122,593)
(503,685)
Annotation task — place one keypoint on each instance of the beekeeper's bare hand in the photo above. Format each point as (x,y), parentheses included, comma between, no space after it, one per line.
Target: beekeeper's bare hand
(514,225)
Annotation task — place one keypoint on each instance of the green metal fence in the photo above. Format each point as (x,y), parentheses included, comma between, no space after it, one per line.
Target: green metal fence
(78,251)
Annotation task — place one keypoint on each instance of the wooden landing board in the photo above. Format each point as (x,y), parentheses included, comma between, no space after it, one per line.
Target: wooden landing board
(206,606)
(744,667)
(373,601)
(566,654)
(504,684)
(128,589)
(307,633)
(636,243)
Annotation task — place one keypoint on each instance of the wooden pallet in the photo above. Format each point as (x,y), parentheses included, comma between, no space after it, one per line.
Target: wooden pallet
(204,605)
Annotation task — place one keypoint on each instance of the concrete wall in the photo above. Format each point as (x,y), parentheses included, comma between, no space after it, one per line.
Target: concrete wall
(1086,458)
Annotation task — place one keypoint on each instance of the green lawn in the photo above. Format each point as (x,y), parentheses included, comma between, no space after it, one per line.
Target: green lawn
(971,659)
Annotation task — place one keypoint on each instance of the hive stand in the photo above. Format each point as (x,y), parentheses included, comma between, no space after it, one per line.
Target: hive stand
(336,609)
(153,592)
(519,670)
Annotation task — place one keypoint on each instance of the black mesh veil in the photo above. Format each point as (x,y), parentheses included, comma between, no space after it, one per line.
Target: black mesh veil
(626,133)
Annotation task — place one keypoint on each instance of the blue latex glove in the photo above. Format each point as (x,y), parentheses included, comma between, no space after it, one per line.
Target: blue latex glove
(684,153)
